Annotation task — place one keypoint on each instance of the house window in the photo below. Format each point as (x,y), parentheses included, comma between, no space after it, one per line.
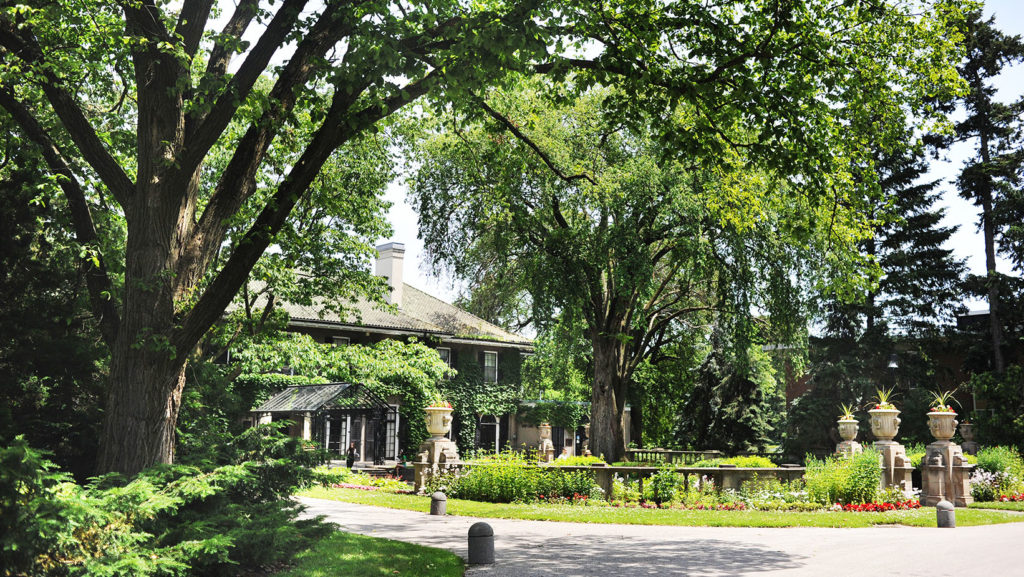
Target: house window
(340,341)
(490,367)
(446,355)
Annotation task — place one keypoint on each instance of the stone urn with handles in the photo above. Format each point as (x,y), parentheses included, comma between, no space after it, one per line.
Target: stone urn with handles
(439,421)
(942,424)
(848,429)
(885,423)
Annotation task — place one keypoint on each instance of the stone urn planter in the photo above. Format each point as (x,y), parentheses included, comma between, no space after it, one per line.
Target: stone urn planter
(942,425)
(439,421)
(885,423)
(546,449)
(967,432)
(848,429)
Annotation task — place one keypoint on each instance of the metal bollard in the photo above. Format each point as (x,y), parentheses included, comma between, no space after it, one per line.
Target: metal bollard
(481,544)
(438,503)
(945,514)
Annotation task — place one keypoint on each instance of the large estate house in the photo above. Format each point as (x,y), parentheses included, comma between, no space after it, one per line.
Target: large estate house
(338,414)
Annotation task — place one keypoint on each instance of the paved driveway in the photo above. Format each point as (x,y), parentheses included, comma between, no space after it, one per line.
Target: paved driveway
(544,548)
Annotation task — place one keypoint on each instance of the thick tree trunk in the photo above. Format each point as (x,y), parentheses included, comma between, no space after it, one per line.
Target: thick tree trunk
(988,228)
(146,372)
(142,410)
(607,403)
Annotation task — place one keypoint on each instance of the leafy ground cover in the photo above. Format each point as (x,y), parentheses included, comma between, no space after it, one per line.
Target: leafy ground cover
(356,555)
(599,513)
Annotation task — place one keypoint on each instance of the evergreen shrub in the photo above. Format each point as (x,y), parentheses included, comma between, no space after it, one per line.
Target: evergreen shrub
(168,520)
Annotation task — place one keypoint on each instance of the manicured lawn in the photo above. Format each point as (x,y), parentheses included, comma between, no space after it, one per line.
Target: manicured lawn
(634,516)
(1007,506)
(355,555)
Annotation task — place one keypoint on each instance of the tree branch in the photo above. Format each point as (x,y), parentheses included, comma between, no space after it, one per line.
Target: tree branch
(533,146)
(222,53)
(237,182)
(333,132)
(101,290)
(212,124)
(192,22)
(70,114)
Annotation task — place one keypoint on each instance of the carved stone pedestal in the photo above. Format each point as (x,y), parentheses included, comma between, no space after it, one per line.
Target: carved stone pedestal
(945,474)
(848,429)
(434,456)
(847,448)
(896,467)
(546,449)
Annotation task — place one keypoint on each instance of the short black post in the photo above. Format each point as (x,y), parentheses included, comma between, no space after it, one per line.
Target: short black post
(945,514)
(481,544)
(438,503)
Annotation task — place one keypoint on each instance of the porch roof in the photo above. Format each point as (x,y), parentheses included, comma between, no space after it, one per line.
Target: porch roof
(299,398)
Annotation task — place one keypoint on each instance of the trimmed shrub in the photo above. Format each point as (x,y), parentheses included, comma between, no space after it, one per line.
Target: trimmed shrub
(508,477)
(752,462)
(578,461)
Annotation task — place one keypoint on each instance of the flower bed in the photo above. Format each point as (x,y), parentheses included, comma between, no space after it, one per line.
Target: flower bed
(876,507)
(1015,498)
(681,506)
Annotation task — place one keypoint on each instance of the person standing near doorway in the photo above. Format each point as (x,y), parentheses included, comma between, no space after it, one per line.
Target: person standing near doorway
(351,455)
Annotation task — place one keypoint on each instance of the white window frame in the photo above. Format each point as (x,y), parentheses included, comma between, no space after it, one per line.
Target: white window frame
(495,354)
(446,360)
(340,341)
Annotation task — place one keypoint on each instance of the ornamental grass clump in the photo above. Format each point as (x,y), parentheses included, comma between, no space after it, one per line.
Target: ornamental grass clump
(844,480)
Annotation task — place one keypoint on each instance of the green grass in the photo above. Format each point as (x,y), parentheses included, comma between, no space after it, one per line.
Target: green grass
(924,517)
(1007,506)
(355,555)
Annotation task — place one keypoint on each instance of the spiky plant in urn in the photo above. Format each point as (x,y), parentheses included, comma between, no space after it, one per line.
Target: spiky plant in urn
(941,416)
(885,420)
(848,424)
(848,428)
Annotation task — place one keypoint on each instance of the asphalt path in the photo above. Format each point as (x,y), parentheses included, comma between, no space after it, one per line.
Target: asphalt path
(547,548)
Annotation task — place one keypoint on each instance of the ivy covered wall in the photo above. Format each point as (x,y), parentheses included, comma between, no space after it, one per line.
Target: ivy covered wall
(470,396)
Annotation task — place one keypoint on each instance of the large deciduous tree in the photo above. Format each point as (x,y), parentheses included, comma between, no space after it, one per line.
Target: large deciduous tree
(604,223)
(127,100)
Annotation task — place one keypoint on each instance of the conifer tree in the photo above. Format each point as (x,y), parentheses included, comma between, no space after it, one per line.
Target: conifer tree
(920,285)
(988,178)
(917,293)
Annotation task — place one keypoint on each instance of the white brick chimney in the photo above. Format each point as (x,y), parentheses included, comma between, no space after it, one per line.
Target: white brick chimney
(389,266)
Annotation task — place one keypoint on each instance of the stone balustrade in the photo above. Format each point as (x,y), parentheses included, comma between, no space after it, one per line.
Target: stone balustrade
(668,456)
